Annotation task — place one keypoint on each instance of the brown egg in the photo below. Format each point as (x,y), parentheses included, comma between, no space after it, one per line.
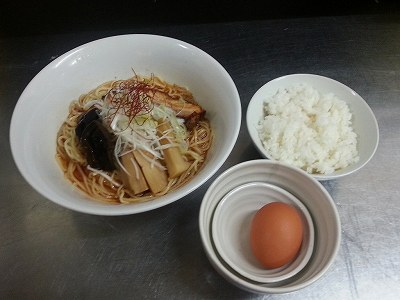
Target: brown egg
(276,234)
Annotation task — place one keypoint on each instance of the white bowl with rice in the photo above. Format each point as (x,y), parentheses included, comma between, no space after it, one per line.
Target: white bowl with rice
(314,123)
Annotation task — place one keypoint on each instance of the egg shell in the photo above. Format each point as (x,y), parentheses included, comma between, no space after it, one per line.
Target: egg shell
(276,234)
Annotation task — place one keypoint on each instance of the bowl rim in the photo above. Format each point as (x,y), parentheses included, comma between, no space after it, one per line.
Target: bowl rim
(121,209)
(241,282)
(319,177)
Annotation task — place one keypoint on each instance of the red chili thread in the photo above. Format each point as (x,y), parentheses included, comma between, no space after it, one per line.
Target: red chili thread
(131,98)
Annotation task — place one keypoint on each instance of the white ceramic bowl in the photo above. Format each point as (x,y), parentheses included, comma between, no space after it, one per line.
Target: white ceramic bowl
(230,230)
(43,106)
(364,121)
(304,187)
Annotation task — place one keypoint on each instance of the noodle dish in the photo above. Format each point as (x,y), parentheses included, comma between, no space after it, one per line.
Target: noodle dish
(125,124)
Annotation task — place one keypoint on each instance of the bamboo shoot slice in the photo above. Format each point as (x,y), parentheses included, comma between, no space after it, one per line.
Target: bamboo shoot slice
(156,178)
(174,160)
(135,180)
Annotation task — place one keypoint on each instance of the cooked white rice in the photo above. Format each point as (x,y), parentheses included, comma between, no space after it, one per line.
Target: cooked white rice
(309,130)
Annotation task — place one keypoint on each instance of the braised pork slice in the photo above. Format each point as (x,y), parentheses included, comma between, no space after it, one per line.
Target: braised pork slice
(189,111)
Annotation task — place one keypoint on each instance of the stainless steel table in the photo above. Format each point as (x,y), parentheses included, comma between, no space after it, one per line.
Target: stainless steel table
(49,252)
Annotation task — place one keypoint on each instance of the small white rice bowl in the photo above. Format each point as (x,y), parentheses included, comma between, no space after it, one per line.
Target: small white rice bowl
(314,123)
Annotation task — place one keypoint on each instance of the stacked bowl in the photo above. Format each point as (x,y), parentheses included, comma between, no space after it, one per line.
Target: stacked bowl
(229,205)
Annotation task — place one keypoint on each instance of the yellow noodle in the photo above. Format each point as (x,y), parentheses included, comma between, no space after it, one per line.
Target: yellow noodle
(74,165)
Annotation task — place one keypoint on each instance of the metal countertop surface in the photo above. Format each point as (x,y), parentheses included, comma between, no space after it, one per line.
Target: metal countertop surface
(47,251)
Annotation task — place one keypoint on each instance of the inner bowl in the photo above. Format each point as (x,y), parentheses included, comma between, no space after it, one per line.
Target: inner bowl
(308,190)
(43,106)
(231,225)
(363,119)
